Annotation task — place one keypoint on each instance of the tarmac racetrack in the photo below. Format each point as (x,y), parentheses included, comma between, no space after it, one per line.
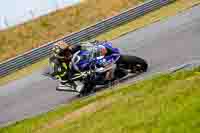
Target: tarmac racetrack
(163,44)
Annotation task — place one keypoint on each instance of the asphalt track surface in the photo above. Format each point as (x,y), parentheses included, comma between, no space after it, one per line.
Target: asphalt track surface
(163,44)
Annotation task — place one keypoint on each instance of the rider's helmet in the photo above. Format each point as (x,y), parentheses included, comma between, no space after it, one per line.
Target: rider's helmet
(62,50)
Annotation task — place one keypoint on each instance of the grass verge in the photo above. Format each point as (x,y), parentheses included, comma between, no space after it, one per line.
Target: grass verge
(160,14)
(164,103)
(17,40)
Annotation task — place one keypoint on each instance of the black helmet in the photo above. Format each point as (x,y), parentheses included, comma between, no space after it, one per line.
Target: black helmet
(61,49)
(58,52)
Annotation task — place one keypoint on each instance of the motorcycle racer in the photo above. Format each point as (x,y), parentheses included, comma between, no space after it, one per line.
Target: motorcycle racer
(64,67)
(60,60)
(79,68)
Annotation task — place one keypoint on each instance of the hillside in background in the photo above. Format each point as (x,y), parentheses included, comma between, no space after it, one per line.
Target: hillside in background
(17,40)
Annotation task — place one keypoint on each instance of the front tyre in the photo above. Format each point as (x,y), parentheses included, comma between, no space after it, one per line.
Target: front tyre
(87,89)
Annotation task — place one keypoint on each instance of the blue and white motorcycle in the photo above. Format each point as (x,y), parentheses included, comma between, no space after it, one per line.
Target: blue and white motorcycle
(89,61)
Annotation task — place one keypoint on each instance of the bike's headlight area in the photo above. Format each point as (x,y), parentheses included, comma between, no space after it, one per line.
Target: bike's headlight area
(85,57)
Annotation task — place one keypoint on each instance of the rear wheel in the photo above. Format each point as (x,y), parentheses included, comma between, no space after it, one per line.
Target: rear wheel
(134,63)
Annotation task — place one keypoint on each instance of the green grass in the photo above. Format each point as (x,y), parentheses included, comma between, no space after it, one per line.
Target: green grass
(162,13)
(164,103)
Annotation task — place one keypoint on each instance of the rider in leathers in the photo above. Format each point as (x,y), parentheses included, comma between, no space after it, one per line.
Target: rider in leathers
(63,54)
(60,60)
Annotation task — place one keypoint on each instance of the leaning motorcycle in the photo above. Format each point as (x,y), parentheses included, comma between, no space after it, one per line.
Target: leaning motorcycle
(84,82)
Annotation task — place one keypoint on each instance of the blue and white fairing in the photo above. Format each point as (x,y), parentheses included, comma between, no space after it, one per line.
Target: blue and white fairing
(93,56)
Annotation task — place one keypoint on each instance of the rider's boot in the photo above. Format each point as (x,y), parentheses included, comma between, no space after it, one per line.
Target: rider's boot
(66,86)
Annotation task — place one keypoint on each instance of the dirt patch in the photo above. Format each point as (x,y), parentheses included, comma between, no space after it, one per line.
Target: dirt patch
(91,108)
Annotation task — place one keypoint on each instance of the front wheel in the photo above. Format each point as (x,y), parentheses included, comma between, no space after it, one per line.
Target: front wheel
(134,63)
(87,89)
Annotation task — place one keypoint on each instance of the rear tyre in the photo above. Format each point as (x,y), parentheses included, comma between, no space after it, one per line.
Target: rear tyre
(134,63)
